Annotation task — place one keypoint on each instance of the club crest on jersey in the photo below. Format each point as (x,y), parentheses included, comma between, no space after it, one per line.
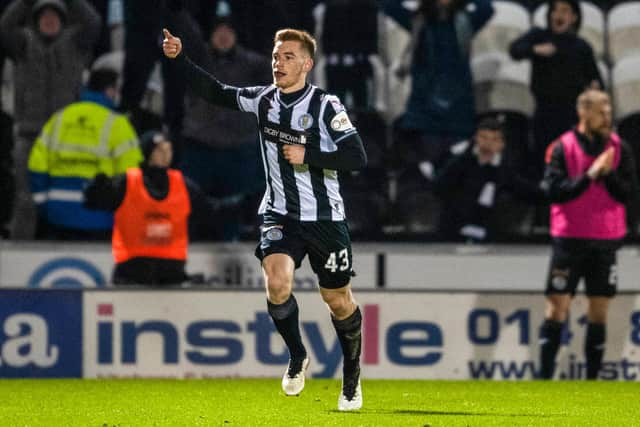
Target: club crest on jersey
(341,122)
(305,121)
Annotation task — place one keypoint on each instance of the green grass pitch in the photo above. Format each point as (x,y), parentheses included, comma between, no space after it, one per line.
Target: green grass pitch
(242,402)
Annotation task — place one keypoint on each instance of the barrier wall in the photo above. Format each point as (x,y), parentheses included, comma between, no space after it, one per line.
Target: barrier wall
(48,265)
(392,266)
(200,334)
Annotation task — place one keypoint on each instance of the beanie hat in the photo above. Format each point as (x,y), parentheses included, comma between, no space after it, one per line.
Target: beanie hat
(148,142)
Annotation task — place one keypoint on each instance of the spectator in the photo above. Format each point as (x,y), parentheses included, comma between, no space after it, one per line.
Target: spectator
(3,54)
(471,182)
(220,150)
(563,65)
(349,36)
(590,176)
(50,42)
(77,143)
(440,110)
(205,12)
(6,175)
(153,205)
(6,146)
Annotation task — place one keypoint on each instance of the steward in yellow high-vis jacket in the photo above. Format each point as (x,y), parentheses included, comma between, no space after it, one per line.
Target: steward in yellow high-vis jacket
(77,143)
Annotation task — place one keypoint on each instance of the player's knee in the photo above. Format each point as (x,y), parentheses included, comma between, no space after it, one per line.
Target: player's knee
(341,305)
(557,311)
(558,307)
(558,314)
(278,287)
(597,315)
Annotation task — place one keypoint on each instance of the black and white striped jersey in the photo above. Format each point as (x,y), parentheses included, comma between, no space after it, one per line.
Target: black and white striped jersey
(315,119)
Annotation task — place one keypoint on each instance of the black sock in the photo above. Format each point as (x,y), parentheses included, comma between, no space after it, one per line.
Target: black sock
(349,332)
(285,317)
(549,345)
(594,348)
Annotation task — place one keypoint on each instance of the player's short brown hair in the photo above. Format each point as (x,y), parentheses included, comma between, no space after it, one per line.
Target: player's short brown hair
(306,40)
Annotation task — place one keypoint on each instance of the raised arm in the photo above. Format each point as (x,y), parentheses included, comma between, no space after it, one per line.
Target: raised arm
(200,81)
(481,12)
(86,23)
(12,23)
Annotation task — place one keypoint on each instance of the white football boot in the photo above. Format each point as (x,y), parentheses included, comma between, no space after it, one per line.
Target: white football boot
(293,378)
(351,397)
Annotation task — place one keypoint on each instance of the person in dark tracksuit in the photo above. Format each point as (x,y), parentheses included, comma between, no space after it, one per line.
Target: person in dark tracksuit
(590,175)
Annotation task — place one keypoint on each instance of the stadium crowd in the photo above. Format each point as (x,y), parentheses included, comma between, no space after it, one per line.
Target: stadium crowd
(456,102)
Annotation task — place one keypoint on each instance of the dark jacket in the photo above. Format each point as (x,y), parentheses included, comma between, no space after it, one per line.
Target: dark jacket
(469,192)
(557,81)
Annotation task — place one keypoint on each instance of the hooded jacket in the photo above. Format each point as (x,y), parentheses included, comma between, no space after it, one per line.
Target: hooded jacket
(47,73)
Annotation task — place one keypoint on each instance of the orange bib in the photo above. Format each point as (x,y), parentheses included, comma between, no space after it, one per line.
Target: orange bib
(146,227)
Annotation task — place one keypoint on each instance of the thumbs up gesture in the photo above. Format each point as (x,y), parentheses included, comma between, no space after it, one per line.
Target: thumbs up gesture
(171,45)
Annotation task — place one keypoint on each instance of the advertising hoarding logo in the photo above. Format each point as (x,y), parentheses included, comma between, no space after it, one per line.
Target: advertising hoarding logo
(67,273)
(208,341)
(40,334)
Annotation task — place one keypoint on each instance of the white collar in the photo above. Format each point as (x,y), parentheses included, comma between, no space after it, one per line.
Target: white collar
(496,160)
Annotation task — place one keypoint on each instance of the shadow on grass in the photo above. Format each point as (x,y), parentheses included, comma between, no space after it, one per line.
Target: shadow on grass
(450,413)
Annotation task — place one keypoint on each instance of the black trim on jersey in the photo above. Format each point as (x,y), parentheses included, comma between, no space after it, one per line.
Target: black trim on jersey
(317,174)
(263,111)
(287,173)
(282,103)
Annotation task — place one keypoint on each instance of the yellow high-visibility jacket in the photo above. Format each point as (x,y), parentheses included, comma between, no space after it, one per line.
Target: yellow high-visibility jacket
(77,143)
